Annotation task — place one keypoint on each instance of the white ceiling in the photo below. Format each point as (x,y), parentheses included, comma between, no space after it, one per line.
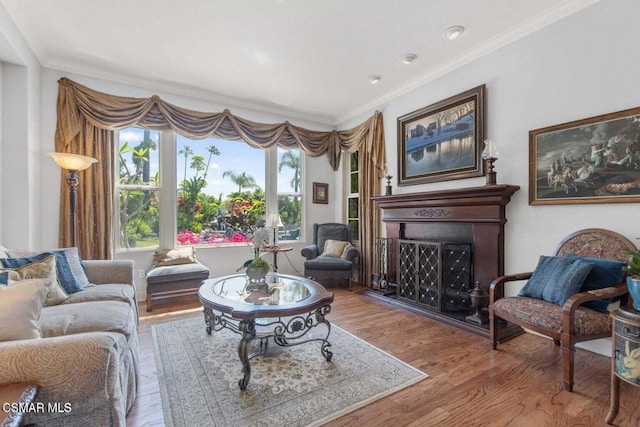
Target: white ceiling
(304,58)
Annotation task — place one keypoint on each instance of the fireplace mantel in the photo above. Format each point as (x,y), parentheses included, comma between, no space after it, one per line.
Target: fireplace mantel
(480,211)
(472,204)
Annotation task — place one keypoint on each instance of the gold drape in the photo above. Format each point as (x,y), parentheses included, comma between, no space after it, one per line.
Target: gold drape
(369,142)
(87,118)
(94,201)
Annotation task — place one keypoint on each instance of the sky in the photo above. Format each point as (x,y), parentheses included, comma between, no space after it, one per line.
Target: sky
(234,155)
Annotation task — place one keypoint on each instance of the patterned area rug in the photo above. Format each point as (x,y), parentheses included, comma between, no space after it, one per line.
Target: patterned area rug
(293,386)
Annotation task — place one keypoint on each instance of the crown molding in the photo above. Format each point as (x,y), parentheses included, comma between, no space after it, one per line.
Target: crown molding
(533,24)
(190,92)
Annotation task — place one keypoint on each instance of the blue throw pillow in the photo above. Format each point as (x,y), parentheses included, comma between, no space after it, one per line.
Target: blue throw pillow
(555,279)
(4,278)
(66,277)
(605,273)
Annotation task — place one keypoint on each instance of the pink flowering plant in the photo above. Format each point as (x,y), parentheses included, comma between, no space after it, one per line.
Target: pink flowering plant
(188,237)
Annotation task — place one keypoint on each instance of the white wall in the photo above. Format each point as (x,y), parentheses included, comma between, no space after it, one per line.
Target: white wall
(20,143)
(220,260)
(582,66)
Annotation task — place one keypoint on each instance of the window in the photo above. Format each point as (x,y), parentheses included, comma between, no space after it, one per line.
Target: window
(353,214)
(289,193)
(222,190)
(138,188)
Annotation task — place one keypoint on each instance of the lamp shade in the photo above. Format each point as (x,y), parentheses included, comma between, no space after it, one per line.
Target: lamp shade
(72,161)
(275,220)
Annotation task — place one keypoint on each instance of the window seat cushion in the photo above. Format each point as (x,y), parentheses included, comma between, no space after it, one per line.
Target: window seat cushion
(172,272)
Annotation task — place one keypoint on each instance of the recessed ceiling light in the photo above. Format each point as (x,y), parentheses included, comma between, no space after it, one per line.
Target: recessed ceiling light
(374,79)
(409,58)
(454,32)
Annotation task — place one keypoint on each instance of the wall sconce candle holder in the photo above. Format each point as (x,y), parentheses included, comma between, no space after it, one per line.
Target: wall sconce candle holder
(490,154)
(388,187)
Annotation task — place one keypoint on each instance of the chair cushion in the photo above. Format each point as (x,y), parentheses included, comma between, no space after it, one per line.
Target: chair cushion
(334,248)
(548,316)
(605,273)
(328,263)
(556,278)
(596,243)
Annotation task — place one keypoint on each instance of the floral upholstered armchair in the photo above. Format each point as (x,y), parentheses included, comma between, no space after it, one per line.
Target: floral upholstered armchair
(567,296)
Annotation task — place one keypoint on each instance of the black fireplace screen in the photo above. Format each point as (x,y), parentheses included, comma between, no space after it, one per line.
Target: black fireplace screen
(435,275)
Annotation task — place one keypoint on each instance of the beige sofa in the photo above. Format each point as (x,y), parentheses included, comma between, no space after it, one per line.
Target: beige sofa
(88,355)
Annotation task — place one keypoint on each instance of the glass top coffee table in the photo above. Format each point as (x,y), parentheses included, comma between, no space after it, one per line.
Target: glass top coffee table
(281,307)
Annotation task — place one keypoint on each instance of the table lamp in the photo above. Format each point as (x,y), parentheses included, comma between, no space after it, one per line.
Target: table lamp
(275,221)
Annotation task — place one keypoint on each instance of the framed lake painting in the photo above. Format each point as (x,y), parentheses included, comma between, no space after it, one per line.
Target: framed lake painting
(442,141)
(594,160)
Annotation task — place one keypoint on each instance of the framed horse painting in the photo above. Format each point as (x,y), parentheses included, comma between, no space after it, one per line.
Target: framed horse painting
(594,160)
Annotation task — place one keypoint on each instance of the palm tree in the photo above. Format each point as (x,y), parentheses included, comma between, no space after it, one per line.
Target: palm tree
(213,151)
(292,161)
(149,144)
(186,152)
(242,180)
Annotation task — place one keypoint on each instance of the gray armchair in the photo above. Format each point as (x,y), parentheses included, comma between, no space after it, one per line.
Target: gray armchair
(320,263)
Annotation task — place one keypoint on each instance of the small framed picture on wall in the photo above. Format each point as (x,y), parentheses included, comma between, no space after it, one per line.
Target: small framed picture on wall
(320,193)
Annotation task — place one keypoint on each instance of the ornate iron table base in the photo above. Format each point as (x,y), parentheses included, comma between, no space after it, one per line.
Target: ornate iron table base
(286,333)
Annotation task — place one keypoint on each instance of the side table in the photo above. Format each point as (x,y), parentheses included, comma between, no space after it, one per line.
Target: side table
(14,398)
(275,250)
(625,354)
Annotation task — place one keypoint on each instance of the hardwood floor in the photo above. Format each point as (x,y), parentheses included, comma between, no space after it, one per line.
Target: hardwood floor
(519,385)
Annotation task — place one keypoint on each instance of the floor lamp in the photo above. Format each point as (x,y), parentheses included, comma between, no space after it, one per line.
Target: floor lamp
(72,163)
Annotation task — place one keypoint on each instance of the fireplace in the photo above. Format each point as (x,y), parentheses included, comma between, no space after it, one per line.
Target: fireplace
(435,275)
(457,234)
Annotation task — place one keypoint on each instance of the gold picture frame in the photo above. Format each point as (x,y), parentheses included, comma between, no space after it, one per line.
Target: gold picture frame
(320,193)
(593,160)
(443,141)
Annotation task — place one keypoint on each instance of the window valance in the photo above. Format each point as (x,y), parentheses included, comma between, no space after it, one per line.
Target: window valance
(77,103)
